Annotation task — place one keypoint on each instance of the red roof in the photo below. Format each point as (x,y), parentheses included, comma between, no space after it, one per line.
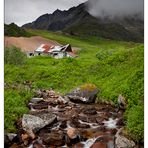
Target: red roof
(46,47)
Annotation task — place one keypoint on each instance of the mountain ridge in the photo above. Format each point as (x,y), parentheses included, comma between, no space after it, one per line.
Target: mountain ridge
(77,21)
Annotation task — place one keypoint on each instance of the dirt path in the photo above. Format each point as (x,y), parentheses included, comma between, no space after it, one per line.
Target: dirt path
(28,44)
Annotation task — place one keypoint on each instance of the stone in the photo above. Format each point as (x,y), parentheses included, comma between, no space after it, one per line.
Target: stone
(78,145)
(36,100)
(31,134)
(122,142)
(120,122)
(121,102)
(84,95)
(41,106)
(37,144)
(99,145)
(34,123)
(100,121)
(72,133)
(7,141)
(63,124)
(15,146)
(77,124)
(54,138)
(90,111)
(11,136)
(25,137)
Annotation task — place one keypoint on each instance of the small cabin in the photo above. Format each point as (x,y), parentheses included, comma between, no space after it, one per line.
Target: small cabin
(55,51)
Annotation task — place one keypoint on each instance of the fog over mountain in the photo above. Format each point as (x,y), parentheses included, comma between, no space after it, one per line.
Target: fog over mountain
(116,8)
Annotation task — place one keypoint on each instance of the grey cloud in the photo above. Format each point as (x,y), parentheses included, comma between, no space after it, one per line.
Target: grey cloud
(115,8)
(24,11)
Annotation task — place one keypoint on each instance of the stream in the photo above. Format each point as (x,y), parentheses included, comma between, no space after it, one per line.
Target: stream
(54,121)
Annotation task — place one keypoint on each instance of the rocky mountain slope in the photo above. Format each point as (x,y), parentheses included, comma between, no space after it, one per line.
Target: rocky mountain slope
(77,21)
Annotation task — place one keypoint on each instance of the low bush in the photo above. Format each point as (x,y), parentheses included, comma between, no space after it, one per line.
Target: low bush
(135,123)
(14,56)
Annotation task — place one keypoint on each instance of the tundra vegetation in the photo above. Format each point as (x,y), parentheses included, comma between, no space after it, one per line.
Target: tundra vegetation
(115,67)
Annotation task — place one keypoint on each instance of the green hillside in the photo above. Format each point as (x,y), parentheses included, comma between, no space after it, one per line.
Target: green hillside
(13,30)
(115,67)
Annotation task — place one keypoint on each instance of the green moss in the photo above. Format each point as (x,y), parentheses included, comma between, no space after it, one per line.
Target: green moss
(88,86)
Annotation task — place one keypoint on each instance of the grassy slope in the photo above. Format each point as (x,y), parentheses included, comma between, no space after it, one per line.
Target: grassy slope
(115,67)
(13,30)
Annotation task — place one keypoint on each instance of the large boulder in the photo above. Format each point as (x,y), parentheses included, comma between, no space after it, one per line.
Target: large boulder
(87,93)
(123,142)
(31,122)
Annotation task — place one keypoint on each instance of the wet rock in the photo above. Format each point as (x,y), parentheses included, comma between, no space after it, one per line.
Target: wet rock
(73,141)
(72,133)
(40,106)
(83,95)
(25,138)
(77,124)
(11,136)
(7,141)
(123,142)
(78,145)
(15,145)
(30,122)
(55,138)
(86,134)
(104,141)
(38,144)
(90,111)
(36,100)
(112,131)
(99,145)
(120,122)
(100,121)
(63,124)
(121,102)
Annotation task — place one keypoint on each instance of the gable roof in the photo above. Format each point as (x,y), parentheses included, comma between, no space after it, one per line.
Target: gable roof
(43,48)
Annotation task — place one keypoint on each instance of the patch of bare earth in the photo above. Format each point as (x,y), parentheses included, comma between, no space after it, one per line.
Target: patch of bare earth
(28,44)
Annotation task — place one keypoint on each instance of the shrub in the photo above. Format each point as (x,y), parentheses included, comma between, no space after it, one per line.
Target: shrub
(14,56)
(135,123)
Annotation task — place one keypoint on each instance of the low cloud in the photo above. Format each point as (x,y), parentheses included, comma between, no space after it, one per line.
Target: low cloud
(116,8)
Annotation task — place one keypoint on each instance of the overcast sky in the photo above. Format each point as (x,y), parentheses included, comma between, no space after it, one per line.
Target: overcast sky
(24,11)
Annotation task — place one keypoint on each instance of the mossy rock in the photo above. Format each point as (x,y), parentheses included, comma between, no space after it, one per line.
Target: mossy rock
(88,87)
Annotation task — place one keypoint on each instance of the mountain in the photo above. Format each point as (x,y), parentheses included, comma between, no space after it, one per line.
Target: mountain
(13,30)
(77,21)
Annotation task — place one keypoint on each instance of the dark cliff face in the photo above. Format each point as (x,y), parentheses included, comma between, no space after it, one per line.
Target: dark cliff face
(78,21)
